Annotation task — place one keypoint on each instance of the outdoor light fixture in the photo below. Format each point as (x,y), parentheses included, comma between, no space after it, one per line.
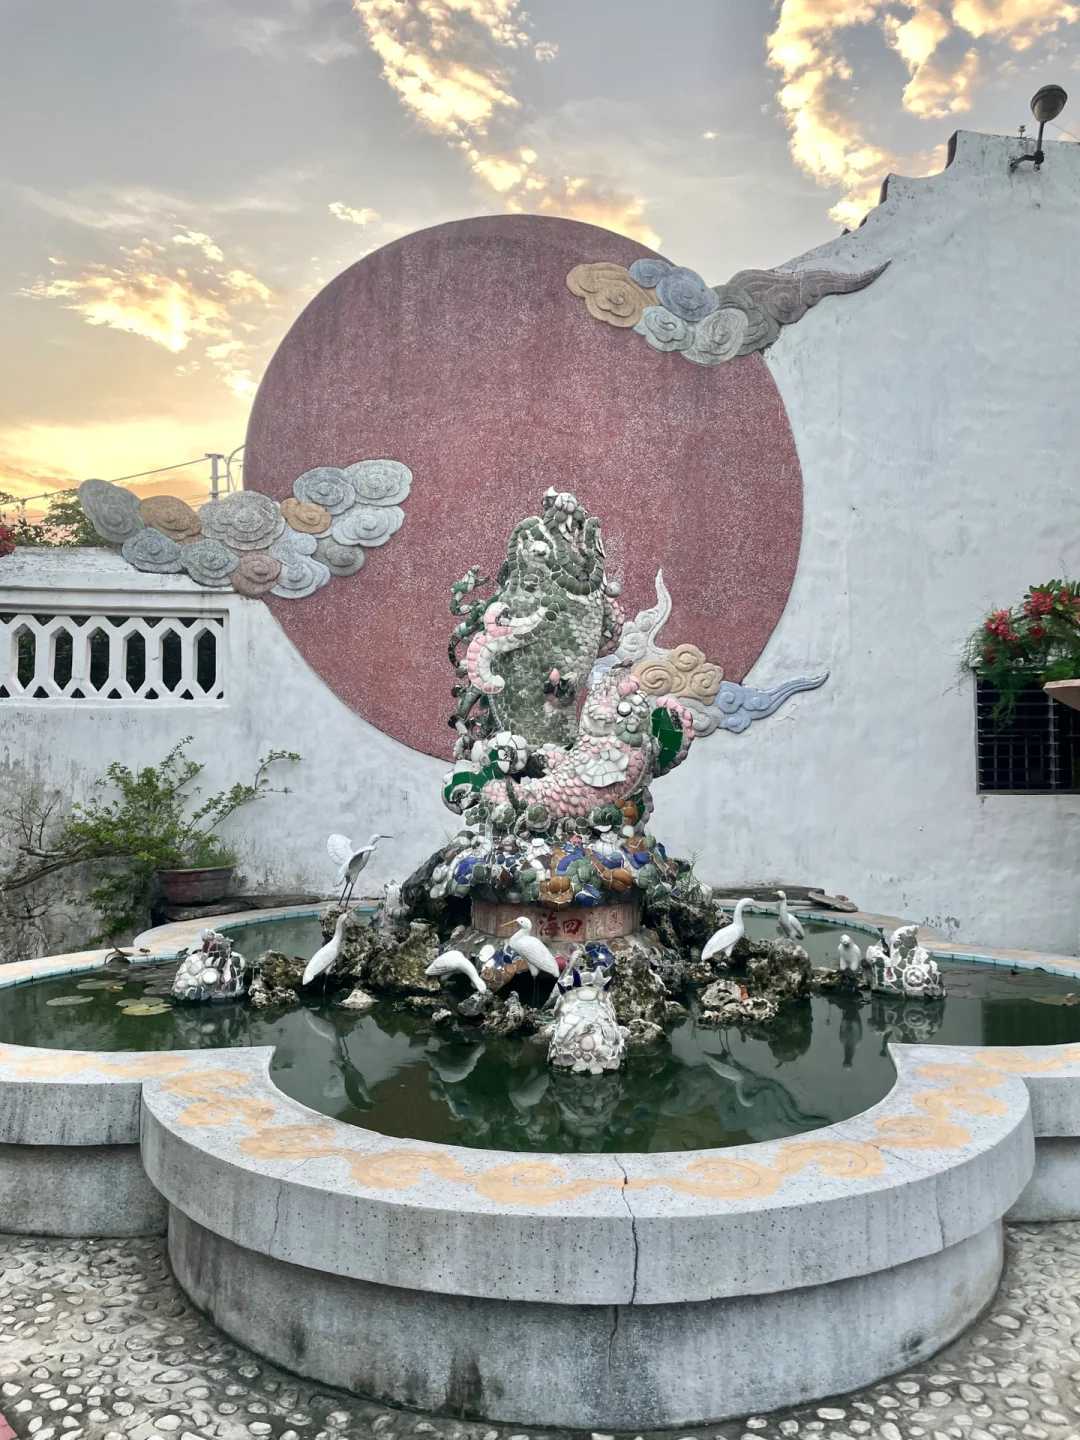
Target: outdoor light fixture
(1046,104)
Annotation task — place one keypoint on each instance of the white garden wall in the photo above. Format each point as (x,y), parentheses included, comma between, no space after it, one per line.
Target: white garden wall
(938,433)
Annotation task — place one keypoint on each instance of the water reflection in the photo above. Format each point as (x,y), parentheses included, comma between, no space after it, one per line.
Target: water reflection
(819,1061)
(905,1022)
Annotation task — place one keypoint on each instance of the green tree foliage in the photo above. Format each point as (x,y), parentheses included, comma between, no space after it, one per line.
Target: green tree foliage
(64,523)
(153,820)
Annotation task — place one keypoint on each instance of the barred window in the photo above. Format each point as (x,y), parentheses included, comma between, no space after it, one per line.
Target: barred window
(127,658)
(1035,750)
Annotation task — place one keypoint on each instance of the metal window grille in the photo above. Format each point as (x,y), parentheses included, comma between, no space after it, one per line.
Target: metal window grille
(130,659)
(1036,750)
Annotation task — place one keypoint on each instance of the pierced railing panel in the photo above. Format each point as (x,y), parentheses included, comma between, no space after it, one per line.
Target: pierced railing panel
(126,659)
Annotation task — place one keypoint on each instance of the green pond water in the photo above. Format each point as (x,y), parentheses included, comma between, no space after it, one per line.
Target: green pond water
(820,1061)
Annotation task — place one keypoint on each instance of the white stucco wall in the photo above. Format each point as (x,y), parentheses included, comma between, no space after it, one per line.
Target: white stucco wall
(352,778)
(938,433)
(936,420)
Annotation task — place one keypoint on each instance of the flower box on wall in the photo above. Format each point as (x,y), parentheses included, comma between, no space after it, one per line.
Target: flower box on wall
(1067,691)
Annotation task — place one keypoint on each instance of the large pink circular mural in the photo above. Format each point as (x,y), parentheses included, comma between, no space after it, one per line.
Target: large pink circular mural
(460,351)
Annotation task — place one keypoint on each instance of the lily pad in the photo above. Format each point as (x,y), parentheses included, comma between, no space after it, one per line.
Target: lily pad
(70,1000)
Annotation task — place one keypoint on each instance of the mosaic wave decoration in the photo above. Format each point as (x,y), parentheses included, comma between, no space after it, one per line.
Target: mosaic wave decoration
(673,308)
(254,544)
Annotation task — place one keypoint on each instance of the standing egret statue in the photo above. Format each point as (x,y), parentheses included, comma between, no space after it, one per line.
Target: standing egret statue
(725,940)
(324,957)
(534,952)
(350,861)
(786,923)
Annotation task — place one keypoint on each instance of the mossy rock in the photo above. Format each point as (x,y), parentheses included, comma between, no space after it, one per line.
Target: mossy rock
(778,968)
(397,966)
(281,976)
(637,991)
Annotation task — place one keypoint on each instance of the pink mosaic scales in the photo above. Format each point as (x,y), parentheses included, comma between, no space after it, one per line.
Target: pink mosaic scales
(602,767)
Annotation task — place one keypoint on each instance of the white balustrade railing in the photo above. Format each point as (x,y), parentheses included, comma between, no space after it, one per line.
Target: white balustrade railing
(132,659)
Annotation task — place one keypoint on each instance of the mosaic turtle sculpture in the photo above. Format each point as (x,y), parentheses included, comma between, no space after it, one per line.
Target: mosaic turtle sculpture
(900,966)
(213,972)
(587,1037)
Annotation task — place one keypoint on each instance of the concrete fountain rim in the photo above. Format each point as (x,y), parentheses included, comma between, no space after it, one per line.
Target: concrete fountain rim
(230,1150)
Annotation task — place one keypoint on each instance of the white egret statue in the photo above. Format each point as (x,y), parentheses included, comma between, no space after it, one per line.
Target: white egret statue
(786,923)
(850,956)
(452,962)
(323,958)
(534,952)
(725,940)
(350,861)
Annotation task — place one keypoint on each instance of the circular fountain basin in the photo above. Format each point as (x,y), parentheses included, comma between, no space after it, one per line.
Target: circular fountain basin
(592,1289)
(391,1070)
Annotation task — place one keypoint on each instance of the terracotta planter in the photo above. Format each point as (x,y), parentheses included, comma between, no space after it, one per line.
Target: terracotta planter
(195,887)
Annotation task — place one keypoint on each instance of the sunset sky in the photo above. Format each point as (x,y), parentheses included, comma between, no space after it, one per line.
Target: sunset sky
(181,176)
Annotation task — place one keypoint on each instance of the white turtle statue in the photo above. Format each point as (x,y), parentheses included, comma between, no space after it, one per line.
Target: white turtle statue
(900,966)
(213,972)
(587,1038)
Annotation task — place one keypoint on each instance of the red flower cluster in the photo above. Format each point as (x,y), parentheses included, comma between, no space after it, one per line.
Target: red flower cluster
(7,540)
(1038,602)
(1000,624)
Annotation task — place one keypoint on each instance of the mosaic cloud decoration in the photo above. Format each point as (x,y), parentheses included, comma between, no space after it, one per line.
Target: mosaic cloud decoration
(688,677)
(251,543)
(673,308)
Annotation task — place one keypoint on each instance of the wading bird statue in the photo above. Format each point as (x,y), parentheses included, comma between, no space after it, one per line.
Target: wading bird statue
(323,958)
(350,861)
(786,923)
(725,940)
(534,952)
(452,962)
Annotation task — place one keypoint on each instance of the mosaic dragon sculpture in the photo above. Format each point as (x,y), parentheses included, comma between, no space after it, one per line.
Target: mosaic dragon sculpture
(525,760)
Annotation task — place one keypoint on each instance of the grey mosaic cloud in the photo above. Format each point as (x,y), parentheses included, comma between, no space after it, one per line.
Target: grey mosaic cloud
(243,521)
(380,482)
(209,563)
(685,294)
(113,511)
(361,500)
(367,525)
(648,273)
(719,337)
(300,576)
(711,325)
(663,330)
(339,559)
(293,544)
(153,551)
(328,486)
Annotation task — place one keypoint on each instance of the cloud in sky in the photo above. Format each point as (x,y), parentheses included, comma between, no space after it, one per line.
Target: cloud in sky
(364,216)
(307,29)
(36,458)
(151,293)
(448,63)
(810,45)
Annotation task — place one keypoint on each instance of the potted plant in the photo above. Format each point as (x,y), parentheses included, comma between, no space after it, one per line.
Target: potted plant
(156,833)
(202,871)
(1035,641)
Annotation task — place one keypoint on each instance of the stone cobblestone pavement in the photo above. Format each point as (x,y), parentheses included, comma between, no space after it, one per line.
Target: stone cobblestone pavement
(97,1341)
